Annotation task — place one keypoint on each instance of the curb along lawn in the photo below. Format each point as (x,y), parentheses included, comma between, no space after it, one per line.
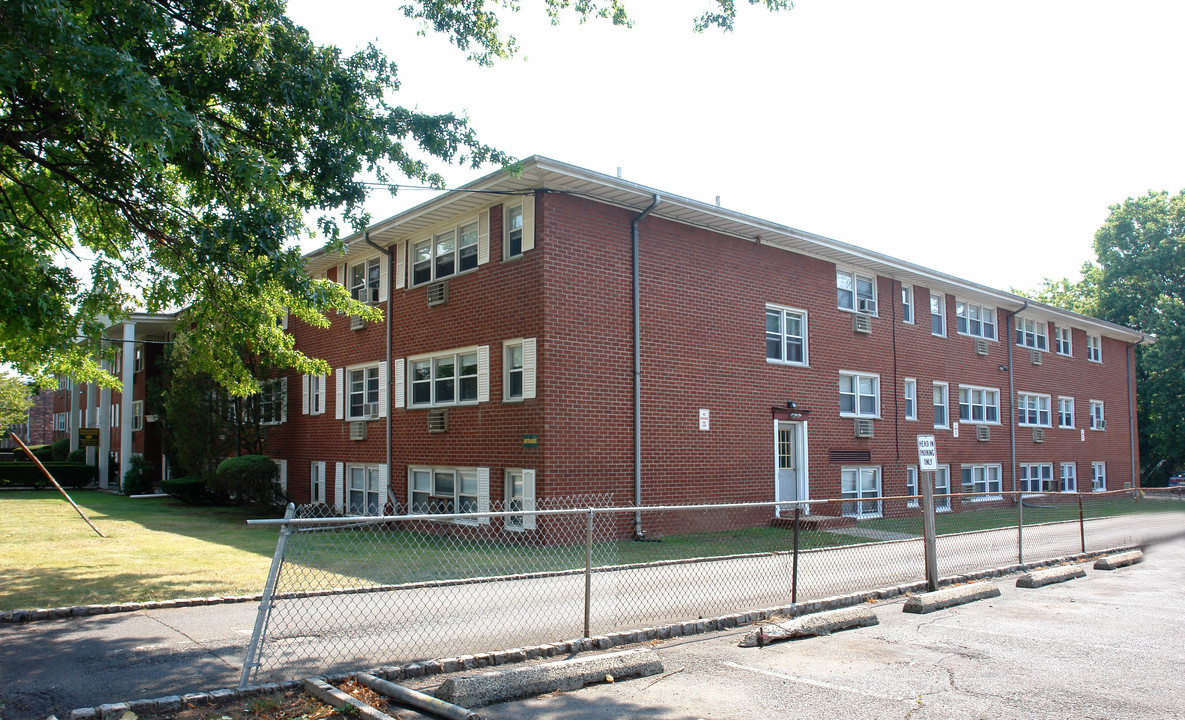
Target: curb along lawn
(155,549)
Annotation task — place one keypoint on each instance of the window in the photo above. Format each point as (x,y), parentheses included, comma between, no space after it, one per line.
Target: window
(313,399)
(520,495)
(910,391)
(63,382)
(446,254)
(907,304)
(938,314)
(1097,421)
(975,320)
(1069,477)
(138,364)
(365,489)
(317,482)
(1031,334)
(1061,341)
(941,487)
(1098,476)
(444,490)
(1094,348)
(1032,410)
(860,484)
(981,479)
(60,421)
(137,416)
(365,281)
(362,389)
(941,416)
(273,402)
(444,379)
(855,291)
(1065,412)
(1036,477)
(979,405)
(859,395)
(116,412)
(514,230)
(518,369)
(785,335)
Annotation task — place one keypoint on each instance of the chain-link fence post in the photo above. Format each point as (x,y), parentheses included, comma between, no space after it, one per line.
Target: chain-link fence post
(1081,524)
(794,565)
(588,540)
(251,661)
(1020,529)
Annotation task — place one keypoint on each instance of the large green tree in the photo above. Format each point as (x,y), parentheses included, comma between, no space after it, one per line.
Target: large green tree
(173,148)
(15,401)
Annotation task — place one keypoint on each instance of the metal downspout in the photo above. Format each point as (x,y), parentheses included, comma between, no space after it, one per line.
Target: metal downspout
(390,405)
(638,534)
(1133,438)
(1012,395)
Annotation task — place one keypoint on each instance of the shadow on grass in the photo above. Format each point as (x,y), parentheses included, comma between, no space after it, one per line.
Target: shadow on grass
(28,587)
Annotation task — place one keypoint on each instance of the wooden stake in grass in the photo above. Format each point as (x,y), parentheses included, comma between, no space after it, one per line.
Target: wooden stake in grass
(55,484)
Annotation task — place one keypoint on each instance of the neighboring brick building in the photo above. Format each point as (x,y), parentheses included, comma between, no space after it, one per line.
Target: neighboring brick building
(773,363)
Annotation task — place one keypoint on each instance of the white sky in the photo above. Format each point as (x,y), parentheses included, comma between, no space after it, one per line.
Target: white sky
(985,140)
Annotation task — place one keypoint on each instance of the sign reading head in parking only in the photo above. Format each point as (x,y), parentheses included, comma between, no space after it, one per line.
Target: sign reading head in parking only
(927,453)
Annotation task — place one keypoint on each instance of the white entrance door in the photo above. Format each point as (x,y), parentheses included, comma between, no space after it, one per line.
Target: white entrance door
(790,484)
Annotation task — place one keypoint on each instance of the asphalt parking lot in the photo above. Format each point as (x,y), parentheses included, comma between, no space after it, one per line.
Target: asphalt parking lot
(1110,645)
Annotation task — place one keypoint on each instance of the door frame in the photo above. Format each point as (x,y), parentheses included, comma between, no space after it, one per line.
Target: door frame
(800,447)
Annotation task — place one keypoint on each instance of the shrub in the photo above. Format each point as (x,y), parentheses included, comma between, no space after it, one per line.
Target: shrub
(59,449)
(77,455)
(250,478)
(189,489)
(137,480)
(44,453)
(25,474)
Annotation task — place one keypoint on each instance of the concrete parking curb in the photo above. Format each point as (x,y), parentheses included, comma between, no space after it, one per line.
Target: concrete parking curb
(1050,576)
(950,597)
(498,686)
(823,623)
(1123,559)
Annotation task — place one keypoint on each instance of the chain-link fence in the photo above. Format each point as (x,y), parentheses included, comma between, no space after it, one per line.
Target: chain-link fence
(359,591)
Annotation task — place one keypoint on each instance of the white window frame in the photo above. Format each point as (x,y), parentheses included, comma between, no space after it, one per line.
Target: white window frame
(907,304)
(909,392)
(366,280)
(1033,410)
(1065,412)
(861,502)
(520,495)
(1034,478)
(273,401)
(372,485)
(783,336)
(367,393)
(61,422)
(990,474)
(317,482)
(439,502)
(508,230)
(115,414)
(974,320)
(1068,480)
(972,403)
(138,362)
(941,487)
(480,377)
(856,379)
(137,415)
(938,313)
(313,394)
(526,350)
(1098,416)
(1063,341)
(857,299)
(945,404)
(1033,334)
(466,242)
(1098,477)
(1094,348)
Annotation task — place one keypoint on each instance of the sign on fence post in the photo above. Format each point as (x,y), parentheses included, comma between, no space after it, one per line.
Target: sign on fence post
(927,465)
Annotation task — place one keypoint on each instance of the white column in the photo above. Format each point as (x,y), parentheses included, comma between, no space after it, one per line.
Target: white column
(125,401)
(104,431)
(72,415)
(92,417)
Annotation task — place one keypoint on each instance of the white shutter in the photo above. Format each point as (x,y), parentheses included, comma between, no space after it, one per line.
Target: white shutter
(304,395)
(483,494)
(282,468)
(483,237)
(528,223)
(339,486)
(528,498)
(283,399)
(384,391)
(400,265)
(341,275)
(340,393)
(400,385)
(322,394)
(385,486)
(528,368)
(284,320)
(483,373)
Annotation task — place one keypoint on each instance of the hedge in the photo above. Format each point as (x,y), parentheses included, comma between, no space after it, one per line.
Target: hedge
(25,474)
(189,489)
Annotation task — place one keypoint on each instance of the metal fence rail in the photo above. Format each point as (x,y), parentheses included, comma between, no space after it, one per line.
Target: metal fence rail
(360,591)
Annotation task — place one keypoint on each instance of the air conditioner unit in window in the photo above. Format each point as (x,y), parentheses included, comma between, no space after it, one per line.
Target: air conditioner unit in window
(983,433)
(866,305)
(862,324)
(438,293)
(358,430)
(370,410)
(981,346)
(1035,356)
(357,323)
(1038,435)
(863,428)
(1100,425)
(437,421)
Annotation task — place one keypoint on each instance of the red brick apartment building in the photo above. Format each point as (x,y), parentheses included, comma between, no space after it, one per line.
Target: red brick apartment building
(560,332)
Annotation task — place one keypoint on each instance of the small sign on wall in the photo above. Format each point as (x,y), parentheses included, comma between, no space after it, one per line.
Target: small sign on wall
(705,419)
(954,429)
(88,437)
(531,441)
